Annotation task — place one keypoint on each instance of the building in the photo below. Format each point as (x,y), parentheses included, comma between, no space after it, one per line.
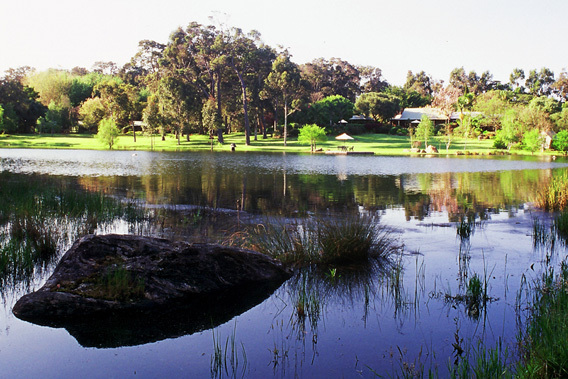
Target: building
(412,116)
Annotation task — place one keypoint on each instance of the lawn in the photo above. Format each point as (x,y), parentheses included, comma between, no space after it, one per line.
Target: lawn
(380,144)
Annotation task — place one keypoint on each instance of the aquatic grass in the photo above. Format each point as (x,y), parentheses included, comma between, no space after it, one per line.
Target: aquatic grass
(554,197)
(225,359)
(319,240)
(484,363)
(560,225)
(41,216)
(544,342)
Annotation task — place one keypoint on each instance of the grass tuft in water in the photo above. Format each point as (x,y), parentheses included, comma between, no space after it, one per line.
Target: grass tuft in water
(355,239)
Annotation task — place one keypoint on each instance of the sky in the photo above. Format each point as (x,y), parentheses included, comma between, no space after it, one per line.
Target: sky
(435,36)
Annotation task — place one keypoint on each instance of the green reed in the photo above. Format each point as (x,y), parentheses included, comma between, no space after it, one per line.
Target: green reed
(40,216)
(544,342)
(337,241)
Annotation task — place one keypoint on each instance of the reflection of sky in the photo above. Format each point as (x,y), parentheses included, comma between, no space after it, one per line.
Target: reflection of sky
(128,163)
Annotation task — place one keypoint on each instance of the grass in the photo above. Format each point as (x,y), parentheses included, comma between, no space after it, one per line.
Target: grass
(554,196)
(332,241)
(544,344)
(381,144)
(117,283)
(225,359)
(40,216)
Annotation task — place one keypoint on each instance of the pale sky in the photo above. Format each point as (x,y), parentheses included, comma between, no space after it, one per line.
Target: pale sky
(431,35)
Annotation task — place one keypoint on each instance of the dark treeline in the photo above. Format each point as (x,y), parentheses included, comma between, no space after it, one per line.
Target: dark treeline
(216,80)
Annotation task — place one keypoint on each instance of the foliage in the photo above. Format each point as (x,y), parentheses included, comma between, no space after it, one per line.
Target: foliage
(408,98)
(425,129)
(21,106)
(330,110)
(533,140)
(92,112)
(560,141)
(380,106)
(311,134)
(211,120)
(283,86)
(108,132)
(327,78)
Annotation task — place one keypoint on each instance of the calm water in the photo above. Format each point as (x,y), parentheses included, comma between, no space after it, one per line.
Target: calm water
(358,323)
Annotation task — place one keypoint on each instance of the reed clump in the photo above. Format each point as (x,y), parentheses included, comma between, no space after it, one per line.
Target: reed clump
(554,197)
(544,343)
(320,240)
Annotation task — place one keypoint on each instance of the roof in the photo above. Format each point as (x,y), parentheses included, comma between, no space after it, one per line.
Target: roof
(435,114)
(410,114)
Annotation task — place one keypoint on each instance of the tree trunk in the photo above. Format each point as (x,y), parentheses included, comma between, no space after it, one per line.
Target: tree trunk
(220,135)
(285,119)
(262,125)
(245,102)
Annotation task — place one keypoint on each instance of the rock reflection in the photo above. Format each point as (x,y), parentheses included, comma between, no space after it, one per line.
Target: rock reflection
(137,328)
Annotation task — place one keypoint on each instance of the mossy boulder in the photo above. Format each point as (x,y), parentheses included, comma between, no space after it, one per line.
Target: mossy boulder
(125,273)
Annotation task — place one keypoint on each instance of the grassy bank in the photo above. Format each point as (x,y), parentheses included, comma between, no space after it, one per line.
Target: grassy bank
(380,144)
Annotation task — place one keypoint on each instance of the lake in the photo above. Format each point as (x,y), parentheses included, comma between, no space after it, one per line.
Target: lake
(386,321)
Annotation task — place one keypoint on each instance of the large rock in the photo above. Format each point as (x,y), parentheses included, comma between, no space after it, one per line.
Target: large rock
(431,149)
(122,274)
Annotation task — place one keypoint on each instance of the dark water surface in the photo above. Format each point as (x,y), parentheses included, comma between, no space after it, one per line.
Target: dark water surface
(357,323)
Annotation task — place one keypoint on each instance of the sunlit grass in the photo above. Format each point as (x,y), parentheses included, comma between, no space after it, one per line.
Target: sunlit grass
(380,144)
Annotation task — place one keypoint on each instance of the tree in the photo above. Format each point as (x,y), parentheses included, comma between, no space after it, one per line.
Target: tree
(540,83)
(560,119)
(511,130)
(380,106)
(425,129)
(560,141)
(532,140)
(92,111)
(311,134)
(419,82)
(330,110)
(408,98)
(459,79)
(371,79)
(1,118)
(178,101)
(331,77)
(516,80)
(561,86)
(21,108)
(210,117)
(284,79)
(108,132)
(446,99)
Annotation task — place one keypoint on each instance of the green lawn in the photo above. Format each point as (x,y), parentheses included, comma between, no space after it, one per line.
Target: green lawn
(380,144)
